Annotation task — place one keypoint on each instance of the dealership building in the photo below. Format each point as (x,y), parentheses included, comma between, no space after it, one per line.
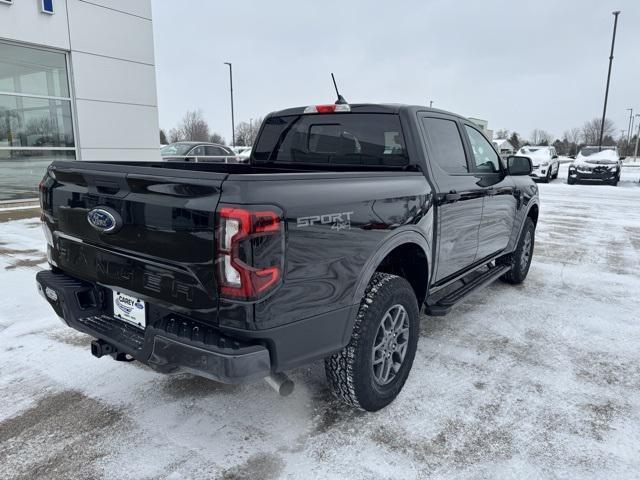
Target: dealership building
(77,82)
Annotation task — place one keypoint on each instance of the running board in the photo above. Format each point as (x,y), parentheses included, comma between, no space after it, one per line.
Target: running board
(442,305)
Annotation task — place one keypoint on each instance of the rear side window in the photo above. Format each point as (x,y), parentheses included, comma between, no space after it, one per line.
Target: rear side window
(197,152)
(365,139)
(212,151)
(446,145)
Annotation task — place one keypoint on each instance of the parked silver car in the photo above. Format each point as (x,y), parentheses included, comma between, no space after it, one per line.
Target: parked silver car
(198,152)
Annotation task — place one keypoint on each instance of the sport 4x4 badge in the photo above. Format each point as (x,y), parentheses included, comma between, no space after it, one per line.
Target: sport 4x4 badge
(338,221)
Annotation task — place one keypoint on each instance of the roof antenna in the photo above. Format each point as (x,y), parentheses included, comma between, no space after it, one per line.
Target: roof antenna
(340,100)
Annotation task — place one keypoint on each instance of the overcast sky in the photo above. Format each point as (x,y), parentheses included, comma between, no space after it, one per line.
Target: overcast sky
(520,65)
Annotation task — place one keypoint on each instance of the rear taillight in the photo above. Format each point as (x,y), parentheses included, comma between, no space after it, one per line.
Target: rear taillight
(250,251)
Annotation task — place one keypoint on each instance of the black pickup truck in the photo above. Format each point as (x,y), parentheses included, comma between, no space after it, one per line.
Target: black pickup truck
(348,221)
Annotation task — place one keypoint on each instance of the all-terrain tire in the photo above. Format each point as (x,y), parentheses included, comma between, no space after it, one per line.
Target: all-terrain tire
(520,259)
(350,372)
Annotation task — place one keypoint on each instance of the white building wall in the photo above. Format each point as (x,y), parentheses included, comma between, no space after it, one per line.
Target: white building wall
(112,70)
(23,22)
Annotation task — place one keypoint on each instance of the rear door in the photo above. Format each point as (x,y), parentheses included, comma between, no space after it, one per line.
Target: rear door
(459,197)
(500,202)
(162,249)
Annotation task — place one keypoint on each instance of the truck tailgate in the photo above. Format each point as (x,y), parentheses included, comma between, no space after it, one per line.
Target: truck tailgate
(162,249)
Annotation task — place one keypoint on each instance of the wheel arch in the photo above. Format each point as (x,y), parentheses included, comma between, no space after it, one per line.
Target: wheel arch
(533,213)
(406,255)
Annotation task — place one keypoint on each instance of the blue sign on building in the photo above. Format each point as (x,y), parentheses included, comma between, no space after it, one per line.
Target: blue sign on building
(47,6)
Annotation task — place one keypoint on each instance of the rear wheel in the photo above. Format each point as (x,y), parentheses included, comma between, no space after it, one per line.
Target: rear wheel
(520,259)
(371,370)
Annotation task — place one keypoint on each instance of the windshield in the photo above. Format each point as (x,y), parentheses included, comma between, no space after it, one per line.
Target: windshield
(586,151)
(176,149)
(366,139)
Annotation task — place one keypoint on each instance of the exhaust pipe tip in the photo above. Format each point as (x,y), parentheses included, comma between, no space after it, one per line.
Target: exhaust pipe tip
(280,383)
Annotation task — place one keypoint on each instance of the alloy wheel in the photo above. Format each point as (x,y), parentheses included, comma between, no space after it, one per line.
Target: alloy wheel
(390,345)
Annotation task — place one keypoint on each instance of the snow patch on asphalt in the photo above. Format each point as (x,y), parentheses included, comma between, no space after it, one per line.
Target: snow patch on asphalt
(532,381)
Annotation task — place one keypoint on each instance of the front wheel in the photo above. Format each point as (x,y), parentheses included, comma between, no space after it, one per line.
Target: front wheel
(371,370)
(520,259)
(615,180)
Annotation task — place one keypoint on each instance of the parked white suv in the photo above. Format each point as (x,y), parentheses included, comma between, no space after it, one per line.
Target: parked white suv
(544,160)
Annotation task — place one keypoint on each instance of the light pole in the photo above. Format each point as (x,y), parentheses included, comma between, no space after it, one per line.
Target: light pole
(430,103)
(233,123)
(630,128)
(606,93)
(635,153)
(631,133)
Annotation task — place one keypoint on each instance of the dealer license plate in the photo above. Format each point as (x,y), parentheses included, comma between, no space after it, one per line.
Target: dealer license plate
(130,309)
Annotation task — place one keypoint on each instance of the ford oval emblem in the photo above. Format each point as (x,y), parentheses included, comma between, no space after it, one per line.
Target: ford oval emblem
(104,219)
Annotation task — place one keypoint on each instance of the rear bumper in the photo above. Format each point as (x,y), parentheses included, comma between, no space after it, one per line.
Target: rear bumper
(173,345)
(174,342)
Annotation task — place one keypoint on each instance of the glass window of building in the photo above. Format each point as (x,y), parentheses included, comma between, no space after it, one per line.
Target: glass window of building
(36,126)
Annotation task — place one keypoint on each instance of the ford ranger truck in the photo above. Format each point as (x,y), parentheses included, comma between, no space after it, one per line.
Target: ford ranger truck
(346,224)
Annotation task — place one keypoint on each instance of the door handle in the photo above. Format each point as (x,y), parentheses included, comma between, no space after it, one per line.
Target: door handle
(490,191)
(452,196)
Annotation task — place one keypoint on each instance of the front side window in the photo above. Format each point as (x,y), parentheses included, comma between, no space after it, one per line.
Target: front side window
(485,158)
(36,124)
(446,145)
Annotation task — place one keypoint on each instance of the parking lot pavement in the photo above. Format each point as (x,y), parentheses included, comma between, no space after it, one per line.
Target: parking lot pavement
(534,381)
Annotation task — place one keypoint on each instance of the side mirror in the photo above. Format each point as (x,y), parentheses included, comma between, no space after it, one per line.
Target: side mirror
(554,157)
(622,158)
(519,165)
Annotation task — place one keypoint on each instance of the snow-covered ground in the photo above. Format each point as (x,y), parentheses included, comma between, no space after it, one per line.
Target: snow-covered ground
(536,381)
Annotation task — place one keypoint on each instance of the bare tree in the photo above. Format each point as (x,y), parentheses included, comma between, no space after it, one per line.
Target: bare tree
(541,137)
(194,127)
(573,135)
(502,133)
(246,132)
(217,138)
(175,135)
(591,130)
